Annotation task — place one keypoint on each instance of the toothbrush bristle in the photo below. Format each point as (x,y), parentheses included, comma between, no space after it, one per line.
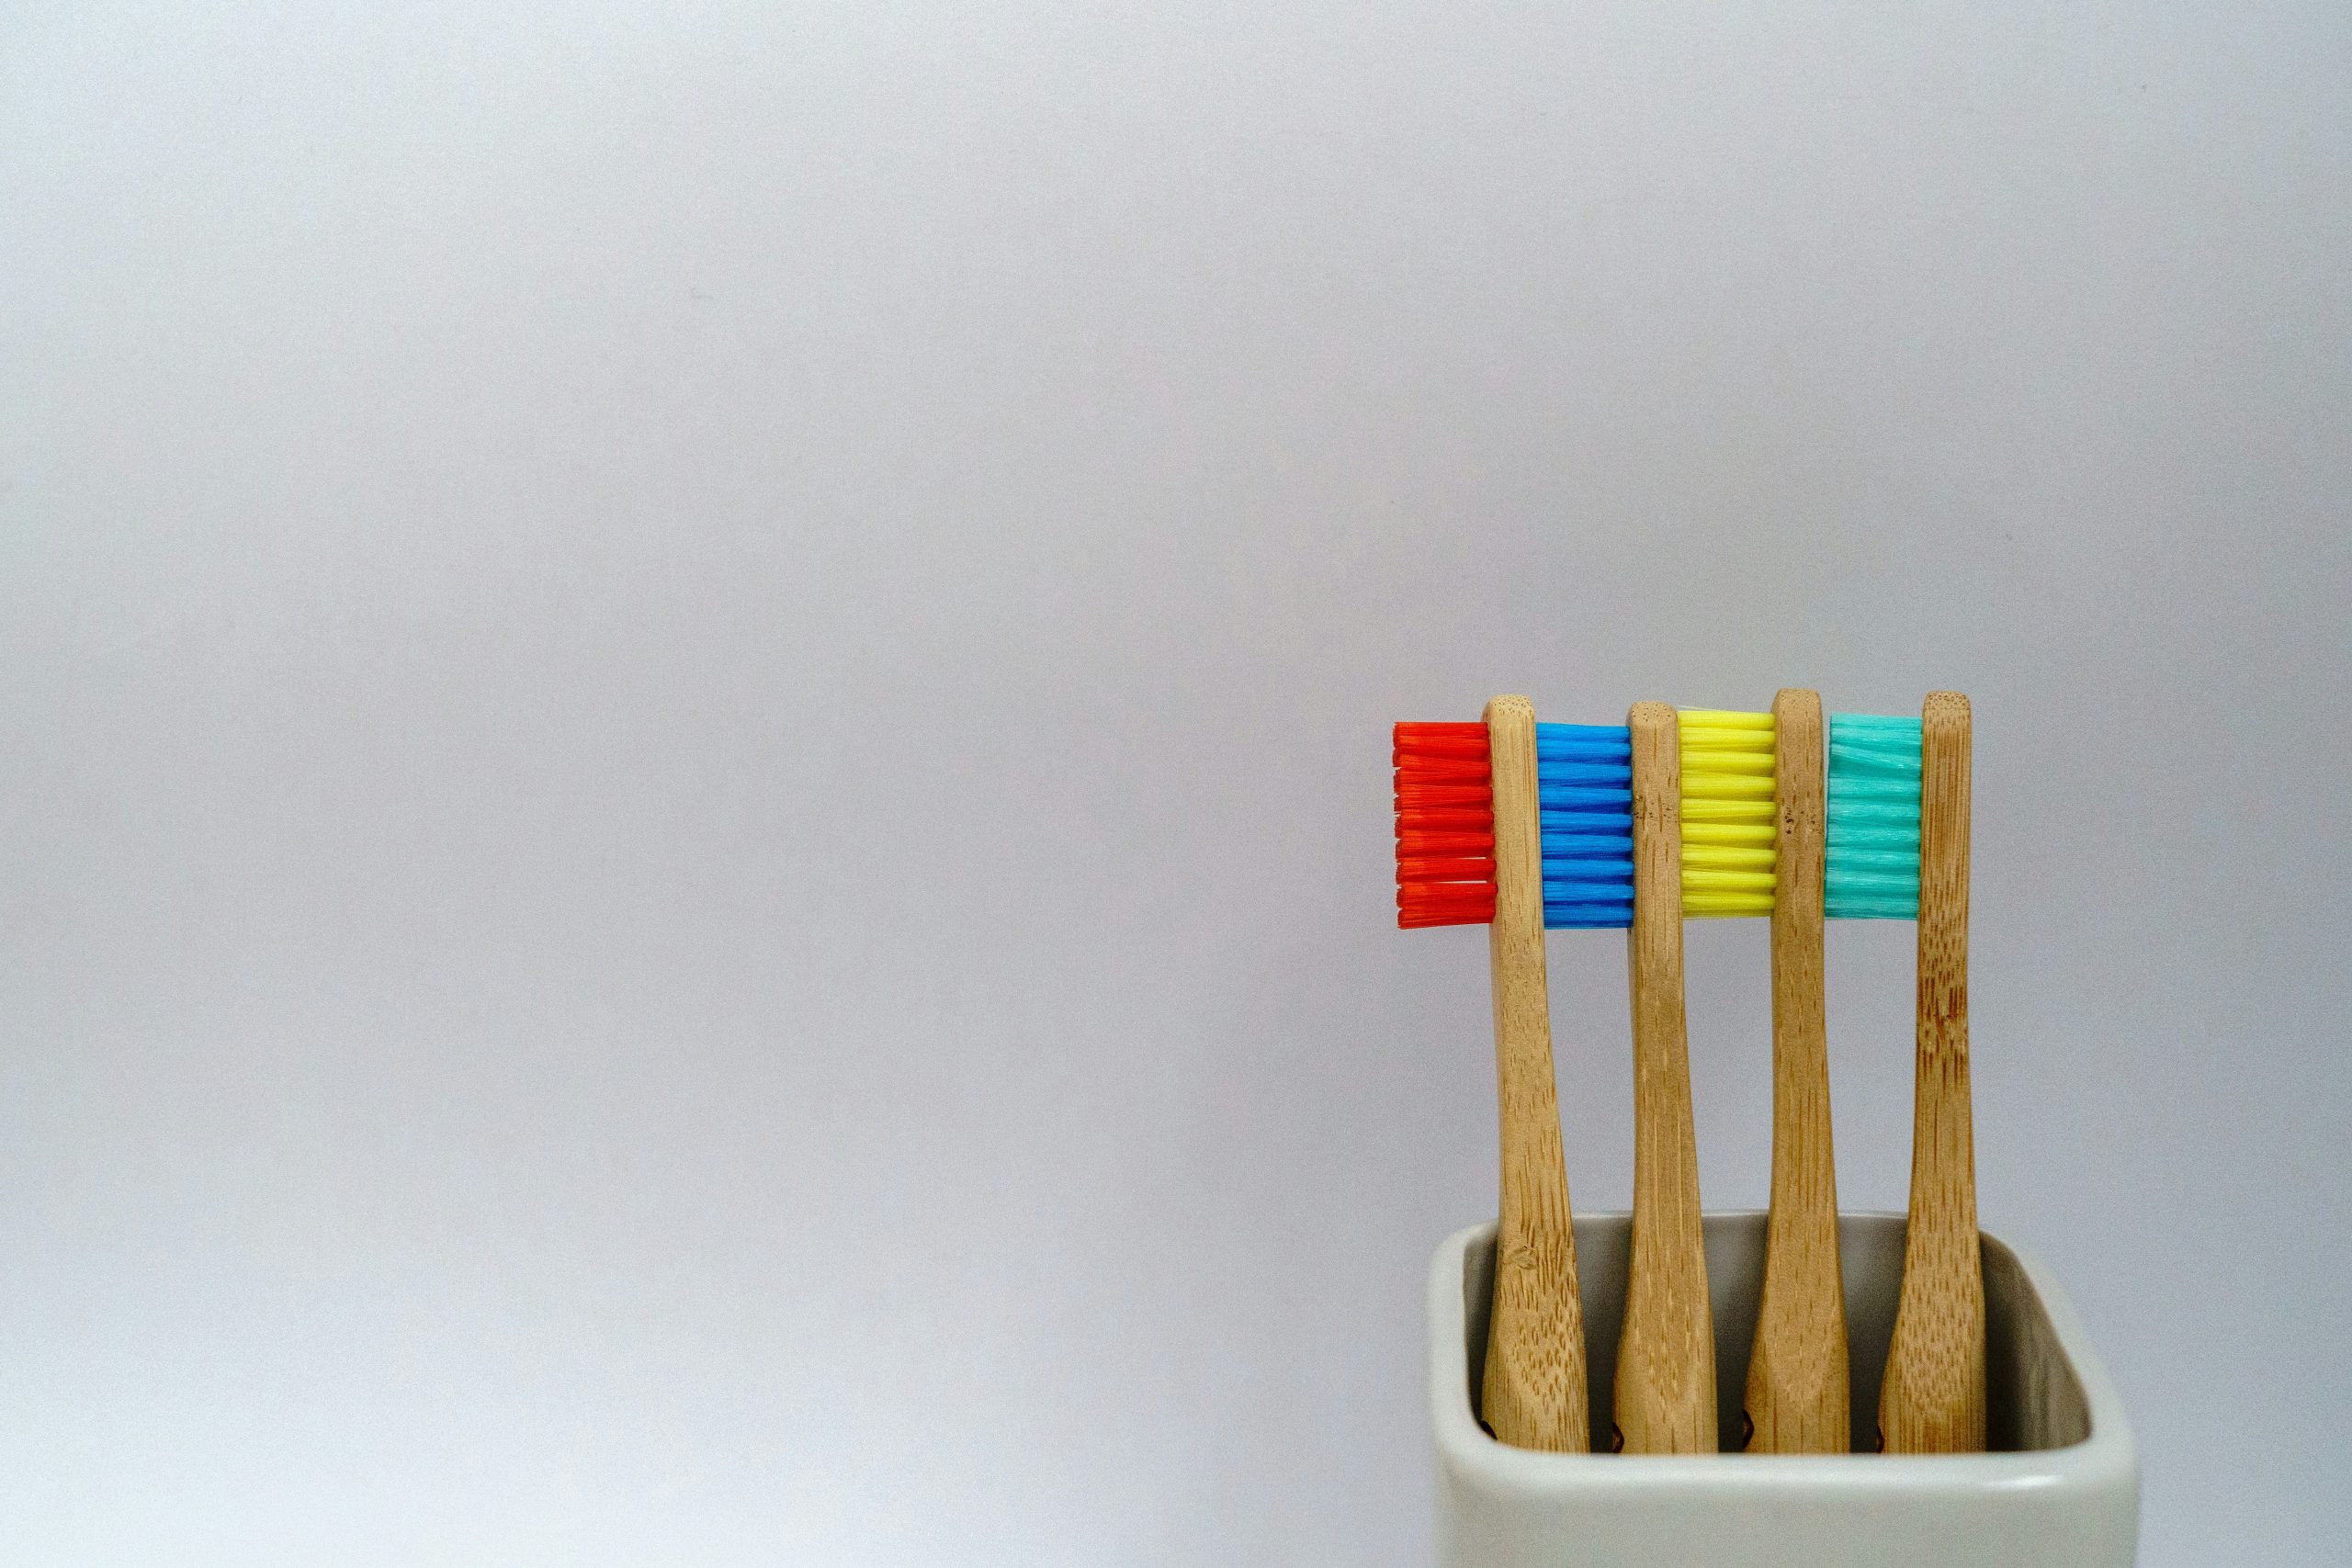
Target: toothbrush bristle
(1584,783)
(1872,858)
(1445,826)
(1730,829)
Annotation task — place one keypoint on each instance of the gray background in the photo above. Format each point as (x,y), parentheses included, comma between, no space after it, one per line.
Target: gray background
(696,857)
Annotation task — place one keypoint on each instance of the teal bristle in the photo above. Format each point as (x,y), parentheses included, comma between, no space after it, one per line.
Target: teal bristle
(1873,829)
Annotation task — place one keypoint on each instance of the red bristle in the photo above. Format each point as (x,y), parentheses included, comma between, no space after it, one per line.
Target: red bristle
(1458,896)
(1452,820)
(1445,828)
(1415,797)
(1471,734)
(1410,843)
(1453,904)
(1445,871)
(1444,769)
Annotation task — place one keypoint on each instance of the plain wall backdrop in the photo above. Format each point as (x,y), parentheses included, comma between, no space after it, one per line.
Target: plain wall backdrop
(693,825)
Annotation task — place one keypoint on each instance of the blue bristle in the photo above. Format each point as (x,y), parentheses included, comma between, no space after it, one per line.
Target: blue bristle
(1583,775)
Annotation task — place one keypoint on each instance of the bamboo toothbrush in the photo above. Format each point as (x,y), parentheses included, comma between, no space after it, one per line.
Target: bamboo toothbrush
(1469,846)
(1753,844)
(1666,1367)
(1933,1397)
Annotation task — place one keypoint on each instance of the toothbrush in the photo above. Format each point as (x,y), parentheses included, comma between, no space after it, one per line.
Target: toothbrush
(1469,848)
(1665,1369)
(1933,1397)
(1798,1396)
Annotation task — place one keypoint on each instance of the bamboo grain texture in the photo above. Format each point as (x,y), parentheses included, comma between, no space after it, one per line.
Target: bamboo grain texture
(1533,1390)
(1933,1397)
(1798,1400)
(1666,1369)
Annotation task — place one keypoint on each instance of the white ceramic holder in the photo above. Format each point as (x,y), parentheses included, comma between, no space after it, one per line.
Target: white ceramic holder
(2061,1485)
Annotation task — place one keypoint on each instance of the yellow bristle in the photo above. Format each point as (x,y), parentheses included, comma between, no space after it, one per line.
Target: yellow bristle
(1730,825)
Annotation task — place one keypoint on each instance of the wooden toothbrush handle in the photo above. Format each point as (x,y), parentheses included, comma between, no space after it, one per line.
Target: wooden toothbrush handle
(1798,1400)
(1534,1394)
(1666,1358)
(1933,1400)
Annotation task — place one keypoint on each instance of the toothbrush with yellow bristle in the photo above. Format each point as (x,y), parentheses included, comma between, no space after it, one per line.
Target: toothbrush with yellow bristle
(1755,840)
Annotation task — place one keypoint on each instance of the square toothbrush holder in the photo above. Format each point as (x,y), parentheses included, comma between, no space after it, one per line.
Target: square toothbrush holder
(2059,1487)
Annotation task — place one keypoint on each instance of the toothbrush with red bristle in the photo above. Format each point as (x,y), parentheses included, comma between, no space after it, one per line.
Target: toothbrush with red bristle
(1470,850)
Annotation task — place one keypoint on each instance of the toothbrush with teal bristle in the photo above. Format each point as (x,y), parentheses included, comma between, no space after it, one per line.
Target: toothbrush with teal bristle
(1898,846)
